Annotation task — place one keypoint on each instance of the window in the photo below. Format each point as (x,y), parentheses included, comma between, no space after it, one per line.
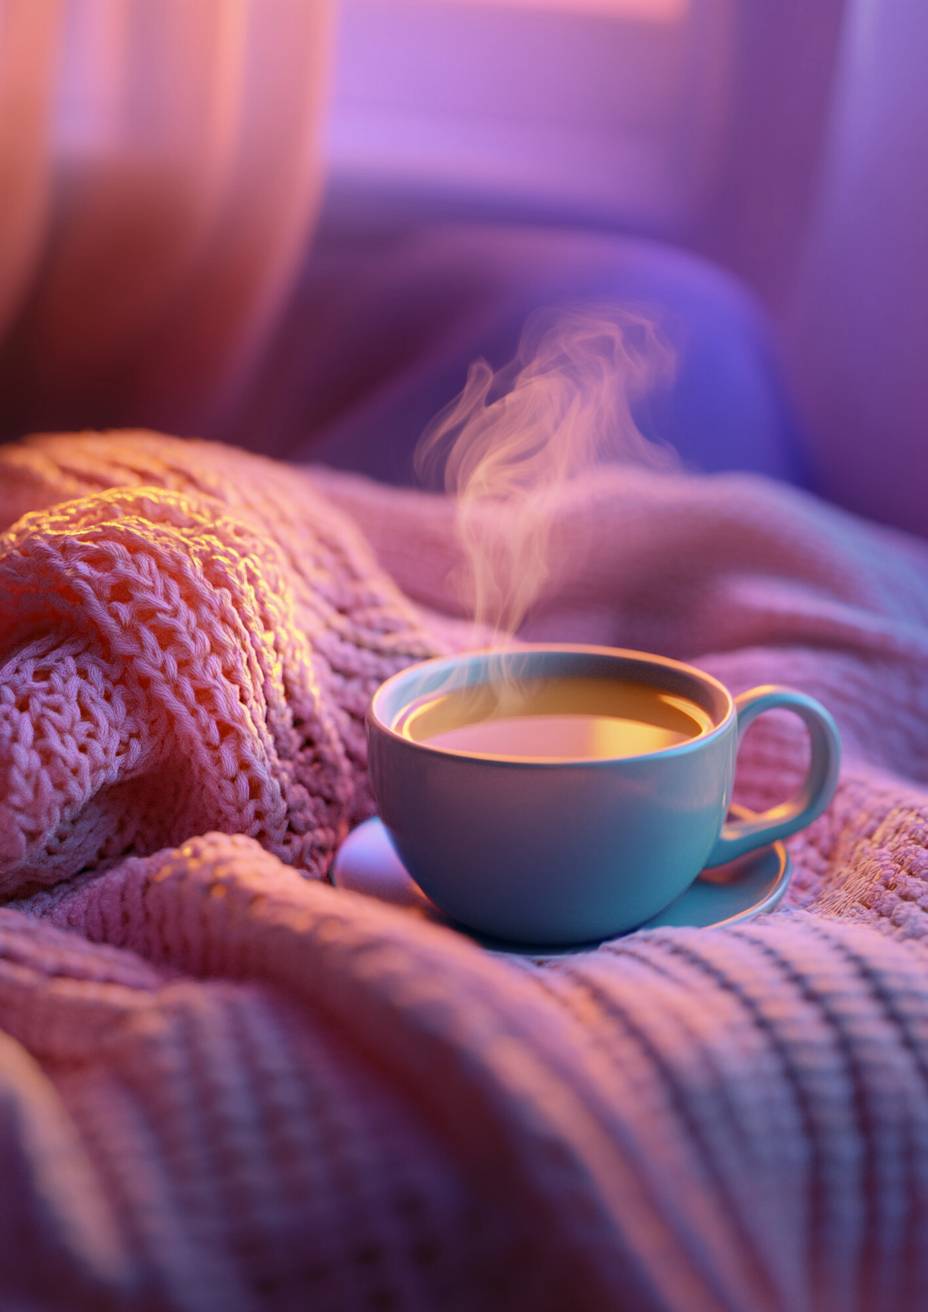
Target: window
(592,107)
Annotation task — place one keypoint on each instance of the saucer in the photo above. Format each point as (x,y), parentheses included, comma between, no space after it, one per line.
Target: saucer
(725,895)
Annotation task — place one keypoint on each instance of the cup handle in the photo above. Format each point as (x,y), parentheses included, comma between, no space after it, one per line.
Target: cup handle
(740,836)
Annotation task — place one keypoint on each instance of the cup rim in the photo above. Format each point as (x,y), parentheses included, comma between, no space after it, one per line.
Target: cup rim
(376,722)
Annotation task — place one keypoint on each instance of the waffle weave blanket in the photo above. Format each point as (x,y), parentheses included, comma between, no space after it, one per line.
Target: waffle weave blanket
(225,1085)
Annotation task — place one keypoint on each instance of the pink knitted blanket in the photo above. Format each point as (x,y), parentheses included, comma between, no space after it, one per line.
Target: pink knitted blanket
(226,1085)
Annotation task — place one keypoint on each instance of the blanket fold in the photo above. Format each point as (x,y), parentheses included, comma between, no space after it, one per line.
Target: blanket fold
(226,1085)
(173,663)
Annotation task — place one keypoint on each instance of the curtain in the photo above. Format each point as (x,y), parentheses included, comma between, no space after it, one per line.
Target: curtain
(159,174)
(858,327)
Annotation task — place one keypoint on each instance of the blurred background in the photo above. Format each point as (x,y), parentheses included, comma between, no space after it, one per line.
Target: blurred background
(291,224)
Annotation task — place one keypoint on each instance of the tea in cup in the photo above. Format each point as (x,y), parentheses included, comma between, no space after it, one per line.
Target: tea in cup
(562,794)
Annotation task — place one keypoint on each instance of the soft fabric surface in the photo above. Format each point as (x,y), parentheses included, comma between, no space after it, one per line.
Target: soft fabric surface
(226,1085)
(388,315)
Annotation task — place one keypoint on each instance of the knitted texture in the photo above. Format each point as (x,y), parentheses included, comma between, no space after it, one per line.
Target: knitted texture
(191,649)
(225,1086)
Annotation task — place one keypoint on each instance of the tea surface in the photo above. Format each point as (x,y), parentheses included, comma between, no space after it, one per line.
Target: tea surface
(556,719)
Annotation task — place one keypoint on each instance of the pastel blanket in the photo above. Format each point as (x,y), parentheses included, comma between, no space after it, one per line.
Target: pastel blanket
(226,1085)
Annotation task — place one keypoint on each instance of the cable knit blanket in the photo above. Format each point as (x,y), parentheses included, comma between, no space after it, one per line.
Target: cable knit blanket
(226,1085)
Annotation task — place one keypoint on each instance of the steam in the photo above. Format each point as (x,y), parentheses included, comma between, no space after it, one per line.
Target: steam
(516,441)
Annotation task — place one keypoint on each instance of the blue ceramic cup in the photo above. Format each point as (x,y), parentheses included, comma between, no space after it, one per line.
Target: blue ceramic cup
(555,851)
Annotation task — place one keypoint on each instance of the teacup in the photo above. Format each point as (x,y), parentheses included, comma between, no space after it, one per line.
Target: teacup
(555,849)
